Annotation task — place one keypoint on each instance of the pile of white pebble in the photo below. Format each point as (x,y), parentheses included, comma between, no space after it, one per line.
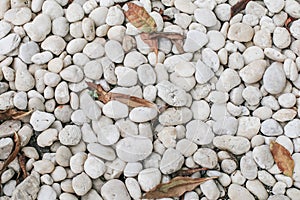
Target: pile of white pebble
(235,88)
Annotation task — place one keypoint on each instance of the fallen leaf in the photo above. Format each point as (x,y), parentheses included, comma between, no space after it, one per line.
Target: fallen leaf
(282,158)
(239,6)
(22,163)
(176,187)
(13,114)
(188,172)
(140,18)
(14,154)
(152,40)
(288,22)
(129,100)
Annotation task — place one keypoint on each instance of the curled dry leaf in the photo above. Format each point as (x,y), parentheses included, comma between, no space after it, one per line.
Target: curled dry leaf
(176,187)
(13,114)
(22,163)
(282,158)
(188,172)
(129,100)
(140,18)
(14,154)
(239,6)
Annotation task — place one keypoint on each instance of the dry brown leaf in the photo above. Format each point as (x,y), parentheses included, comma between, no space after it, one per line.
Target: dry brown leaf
(129,100)
(176,187)
(13,114)
(239,6)
(152,42)
(140,18)
(188,172)
(22,163)
(282,158)
(14,154)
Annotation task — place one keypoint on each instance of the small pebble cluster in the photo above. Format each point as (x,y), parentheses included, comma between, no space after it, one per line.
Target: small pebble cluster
(235,88)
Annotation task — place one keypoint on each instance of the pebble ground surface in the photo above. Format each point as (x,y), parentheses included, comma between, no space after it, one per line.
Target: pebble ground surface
(235,88)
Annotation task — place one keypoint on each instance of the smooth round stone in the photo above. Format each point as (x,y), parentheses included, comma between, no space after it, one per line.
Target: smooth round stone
(171,94)
(248,127)
(168,137)
(47,137)
(248,166)
(61,93)
(52,9)
(286,142)
(99,15)
(215,40)
(263,156)
(294,29)
(94,49)
(205,16)
(253,72)
(24,80)
(115,110)
(114,51)
(183,20)
(287,100)
(240,32)
(133,149)
(173,116)
(39,28)
(6,146)
(46,191)
(234,144)
(291,129)
(206,157)
(195,40)
(89,106)
(203,72)
(281,37)
(284,115)
(186,147)
(93,70)
(59,174)
(184,69)
(211,59)
(5,28)
(274,78)
(132,169)
(40,121)
(54,43)
(236,61)
(171,161)
(146,74)
(262,38)
(142,114)
(228,80)
(9,43)
(70,135)
(185,6)
(210,189)
(27,50)
(133,188)
(274,6)
(149,178)
(76,45)
(88,29)
(126,76)
(109,135)
(115,16)
(18,16)
(114,189)
(81,184)
(43,166)
(271,127)
(252,95)
(77,162)
(74,12)
(55,65)
(200,109)
(72,74)
(205,136)
(94,167)
(101,151)
(253,53)
(134,59)
(239,192)
(51,79)
(60,26)
(225,126)
(263,113)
